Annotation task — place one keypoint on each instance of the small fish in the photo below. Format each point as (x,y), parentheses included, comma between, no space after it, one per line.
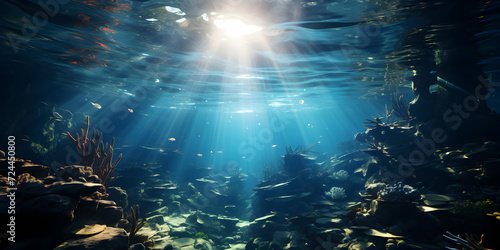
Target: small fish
(200,155)
(131,110)
(274,146)
(171,139)
(96,105)
(219,152)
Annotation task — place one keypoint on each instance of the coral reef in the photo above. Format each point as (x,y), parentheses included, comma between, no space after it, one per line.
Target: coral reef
(297,159)
(399,192)
(95,154)
(336,193)
(340,175)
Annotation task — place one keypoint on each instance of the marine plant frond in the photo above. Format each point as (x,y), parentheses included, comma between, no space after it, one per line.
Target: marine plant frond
(399,106)
(95,154)
(135,223)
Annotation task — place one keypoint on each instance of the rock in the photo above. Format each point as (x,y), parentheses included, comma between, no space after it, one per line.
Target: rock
(156,219)
(81,179)
(402,245)
(228,223)
(202,244)
(290,240)
(111,238)
(138,246)
(182,242)
(491,169)
(125,224)
(49,180)
(395,230)
(391,246)
(74,172)
(25,166)
(361,245)
(88,207)
(390,213)
(180,232)
(118,195)
(57,209)
(110,215)
(86,230)
(73,189)
(374,188)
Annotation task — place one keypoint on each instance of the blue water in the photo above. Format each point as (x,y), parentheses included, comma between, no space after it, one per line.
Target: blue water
(172,84)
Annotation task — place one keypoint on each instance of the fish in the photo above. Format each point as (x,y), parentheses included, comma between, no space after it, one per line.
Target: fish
(96,105)
(171,139)
(131,110)
(200,155)
(287,198)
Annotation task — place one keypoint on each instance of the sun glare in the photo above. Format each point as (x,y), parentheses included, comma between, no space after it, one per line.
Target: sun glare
(234,28)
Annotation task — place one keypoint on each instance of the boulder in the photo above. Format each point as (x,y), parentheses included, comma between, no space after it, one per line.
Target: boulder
(73,172)
(290,240)
(118,195)
(110,239)
(156,219)
(55,208)
(110,215)
(73,189)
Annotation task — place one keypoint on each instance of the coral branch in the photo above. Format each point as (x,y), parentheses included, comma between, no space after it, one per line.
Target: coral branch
(93,153)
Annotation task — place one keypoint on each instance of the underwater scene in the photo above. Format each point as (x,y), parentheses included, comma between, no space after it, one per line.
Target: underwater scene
(250,124)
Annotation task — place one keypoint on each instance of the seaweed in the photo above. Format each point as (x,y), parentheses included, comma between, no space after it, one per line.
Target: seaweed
(399,106)
(95,154)
(136,224)
(202,235)
(474,210)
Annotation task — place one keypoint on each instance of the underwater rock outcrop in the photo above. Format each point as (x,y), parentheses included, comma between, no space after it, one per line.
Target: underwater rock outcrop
(63,211)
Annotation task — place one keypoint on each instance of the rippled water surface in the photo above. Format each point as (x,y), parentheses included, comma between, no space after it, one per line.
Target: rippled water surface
(144,59)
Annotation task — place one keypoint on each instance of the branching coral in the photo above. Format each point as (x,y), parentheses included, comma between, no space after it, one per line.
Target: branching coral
(95,154)
(399,192)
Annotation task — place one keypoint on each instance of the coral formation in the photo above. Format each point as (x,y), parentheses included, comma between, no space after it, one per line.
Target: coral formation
(337,193)
(399,192)
(95,154)
(340,175)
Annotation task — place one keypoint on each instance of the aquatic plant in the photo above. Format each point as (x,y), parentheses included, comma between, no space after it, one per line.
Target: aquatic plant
(136,224)
(95,154)
(337,193)
(297,159)
(399,192)
(399,106)
(474,210)
(471,242)
(202,235)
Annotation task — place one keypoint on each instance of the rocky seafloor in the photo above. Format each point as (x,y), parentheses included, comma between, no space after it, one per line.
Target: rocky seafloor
(365,199)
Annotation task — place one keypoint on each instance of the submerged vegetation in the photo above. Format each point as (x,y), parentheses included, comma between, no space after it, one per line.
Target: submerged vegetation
(95,154)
